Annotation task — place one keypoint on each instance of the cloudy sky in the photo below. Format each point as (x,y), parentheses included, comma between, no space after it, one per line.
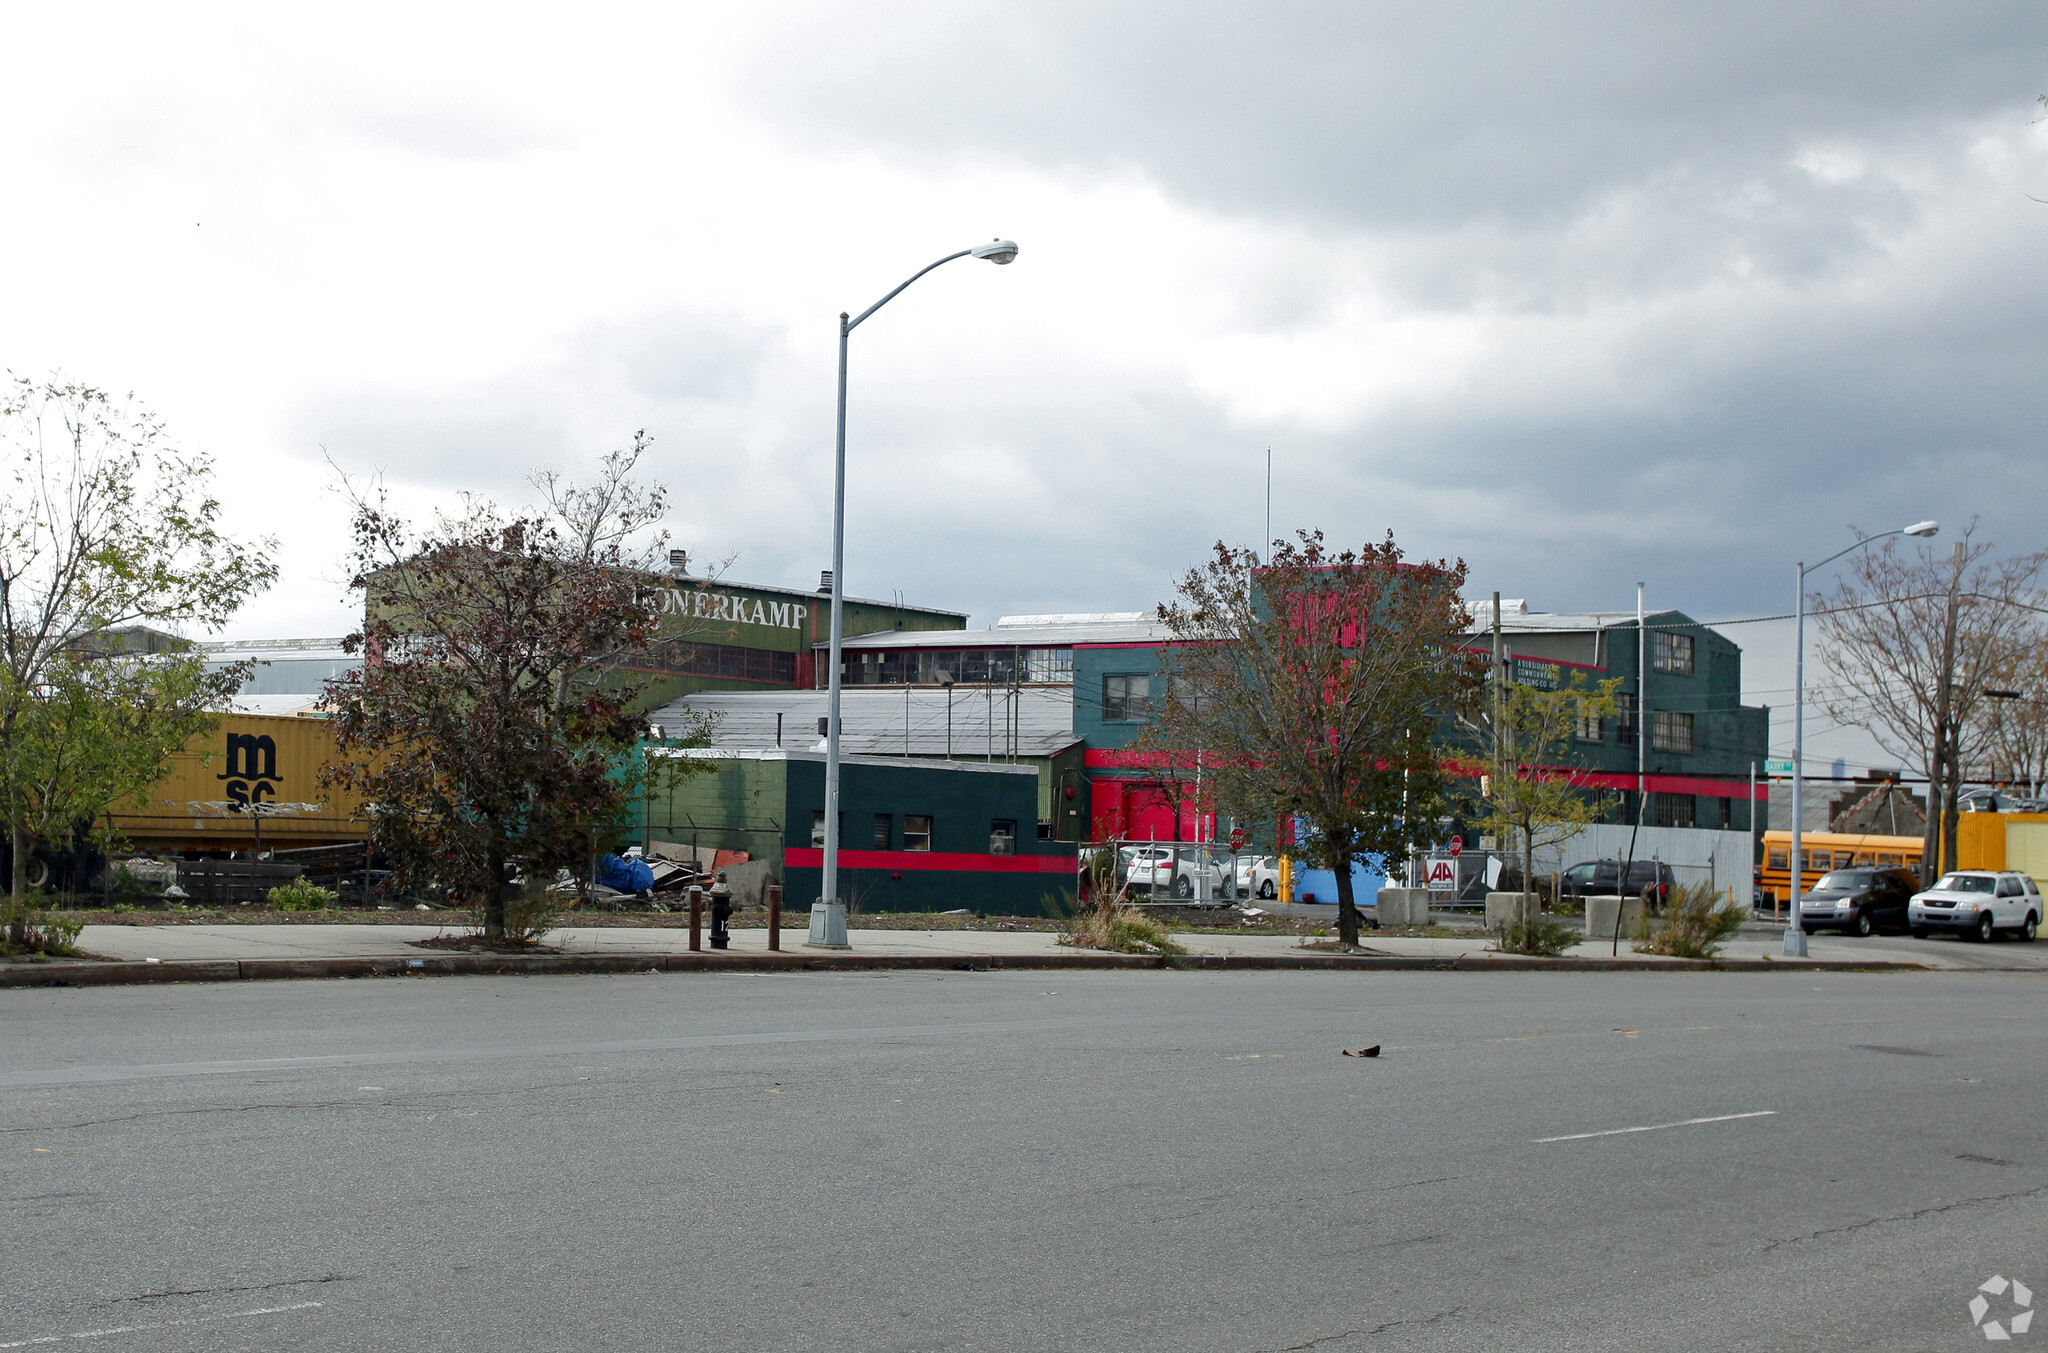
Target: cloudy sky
(1583,293)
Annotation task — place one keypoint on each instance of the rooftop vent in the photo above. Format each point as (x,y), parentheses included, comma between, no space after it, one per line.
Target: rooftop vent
(825,582)
(679,563)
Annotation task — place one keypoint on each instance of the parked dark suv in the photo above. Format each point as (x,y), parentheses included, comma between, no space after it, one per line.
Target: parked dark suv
(1859,901)
(1597,878)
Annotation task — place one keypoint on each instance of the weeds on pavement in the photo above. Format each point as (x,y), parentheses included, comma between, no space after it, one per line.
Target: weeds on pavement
(1697,921)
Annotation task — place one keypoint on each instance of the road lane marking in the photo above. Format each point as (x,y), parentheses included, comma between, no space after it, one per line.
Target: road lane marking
(1654,1127)
(81,1075)
(160,1325)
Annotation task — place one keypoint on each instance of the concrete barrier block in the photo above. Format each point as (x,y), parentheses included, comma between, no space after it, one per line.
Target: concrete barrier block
(1601,913)
(1504,907)
(1404,906)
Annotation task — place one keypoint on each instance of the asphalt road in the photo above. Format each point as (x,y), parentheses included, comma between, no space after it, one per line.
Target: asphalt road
(963,1161)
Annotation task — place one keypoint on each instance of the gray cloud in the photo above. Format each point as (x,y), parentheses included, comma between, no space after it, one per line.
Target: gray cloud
(1396,114)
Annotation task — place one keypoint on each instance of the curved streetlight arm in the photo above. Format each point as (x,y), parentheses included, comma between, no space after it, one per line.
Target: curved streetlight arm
(854,323)
(1802,568)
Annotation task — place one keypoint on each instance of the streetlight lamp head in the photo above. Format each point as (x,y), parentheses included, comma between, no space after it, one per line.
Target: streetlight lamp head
(1002,251)
(1923,528)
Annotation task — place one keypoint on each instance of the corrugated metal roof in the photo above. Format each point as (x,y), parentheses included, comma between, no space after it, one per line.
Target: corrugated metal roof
(275,650)
(873,721)
(1065,635)
(1516,617)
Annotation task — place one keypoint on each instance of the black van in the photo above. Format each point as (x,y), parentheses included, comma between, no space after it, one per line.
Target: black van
(1597,878)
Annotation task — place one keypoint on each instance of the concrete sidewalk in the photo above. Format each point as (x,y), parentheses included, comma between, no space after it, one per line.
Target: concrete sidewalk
(171,943)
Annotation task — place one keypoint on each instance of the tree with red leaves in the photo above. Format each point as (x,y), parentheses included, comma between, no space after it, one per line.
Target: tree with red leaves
(1313,686)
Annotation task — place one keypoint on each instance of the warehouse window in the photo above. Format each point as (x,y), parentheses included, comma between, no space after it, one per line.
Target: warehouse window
(1625,722)
(817,829)
(917,832)
(1673,653)
(882,825)
(1672,732)
(1126,698)
(1674,810)
(1002,836)
(1591,728)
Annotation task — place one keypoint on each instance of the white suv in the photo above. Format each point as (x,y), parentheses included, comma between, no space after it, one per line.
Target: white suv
(1978,903)
(1258,876)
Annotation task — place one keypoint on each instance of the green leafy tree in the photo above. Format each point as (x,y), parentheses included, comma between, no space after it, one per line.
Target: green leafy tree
(1312,686)
(493,718)
(104,523)
(100,731)
(1534,795)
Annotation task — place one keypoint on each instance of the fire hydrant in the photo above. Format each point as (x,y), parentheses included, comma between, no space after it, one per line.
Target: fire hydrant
(721,909)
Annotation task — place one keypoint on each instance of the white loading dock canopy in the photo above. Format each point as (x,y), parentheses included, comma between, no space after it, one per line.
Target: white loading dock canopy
(966,723)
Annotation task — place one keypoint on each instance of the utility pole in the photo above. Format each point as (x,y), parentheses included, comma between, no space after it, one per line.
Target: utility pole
(1499,696)
(1943,783)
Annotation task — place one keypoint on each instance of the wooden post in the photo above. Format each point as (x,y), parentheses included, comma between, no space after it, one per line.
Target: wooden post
(696,918)
(775,916)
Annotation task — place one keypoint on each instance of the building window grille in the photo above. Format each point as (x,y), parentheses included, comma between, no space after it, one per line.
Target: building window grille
(728,661)
(917,832)
(1674,810)
(1672,732)
(1126,699)
(882,823)
(966,666)
(1002,836)
(1673,653)
(1625,720)
(1592,728)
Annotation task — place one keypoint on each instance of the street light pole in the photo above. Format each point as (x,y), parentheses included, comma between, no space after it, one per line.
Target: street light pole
(1795,929)
(828,917)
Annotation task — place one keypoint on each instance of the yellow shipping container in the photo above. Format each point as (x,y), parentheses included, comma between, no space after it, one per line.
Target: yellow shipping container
(203,801)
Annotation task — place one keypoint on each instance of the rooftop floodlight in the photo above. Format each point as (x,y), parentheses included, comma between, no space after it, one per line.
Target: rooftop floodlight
(1923,528)
(1002,251)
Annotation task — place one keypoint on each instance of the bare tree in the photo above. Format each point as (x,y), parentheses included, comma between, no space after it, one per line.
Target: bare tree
(2015,732)
(1315,686)
(1914,640)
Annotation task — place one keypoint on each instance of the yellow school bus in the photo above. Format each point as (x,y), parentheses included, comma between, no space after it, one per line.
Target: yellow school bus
(1822,851)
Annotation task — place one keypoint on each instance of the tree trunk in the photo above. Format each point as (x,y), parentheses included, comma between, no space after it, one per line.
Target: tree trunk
(1951,804)
(1528,859)
(494,892)
(17,885)
(1347,907)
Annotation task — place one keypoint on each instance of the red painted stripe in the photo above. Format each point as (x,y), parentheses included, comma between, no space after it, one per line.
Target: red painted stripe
(810,857)
(1669,784)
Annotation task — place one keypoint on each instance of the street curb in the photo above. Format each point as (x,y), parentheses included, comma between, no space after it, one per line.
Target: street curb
(75,973)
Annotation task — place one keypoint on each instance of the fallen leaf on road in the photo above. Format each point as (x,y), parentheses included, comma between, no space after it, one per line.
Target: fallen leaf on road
(1372,1051)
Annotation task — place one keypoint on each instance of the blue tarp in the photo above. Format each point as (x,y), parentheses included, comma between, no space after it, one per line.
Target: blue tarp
(1366,883)
(626,876)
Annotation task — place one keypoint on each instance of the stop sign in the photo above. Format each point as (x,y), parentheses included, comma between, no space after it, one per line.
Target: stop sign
(1457,846)
(1237,838)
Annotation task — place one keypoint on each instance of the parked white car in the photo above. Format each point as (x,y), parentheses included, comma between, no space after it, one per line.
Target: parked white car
(1258,876)
(1176,872)
(1978,903)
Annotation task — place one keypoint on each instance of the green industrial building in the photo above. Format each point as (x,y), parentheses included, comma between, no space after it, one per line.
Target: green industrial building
(915,835)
